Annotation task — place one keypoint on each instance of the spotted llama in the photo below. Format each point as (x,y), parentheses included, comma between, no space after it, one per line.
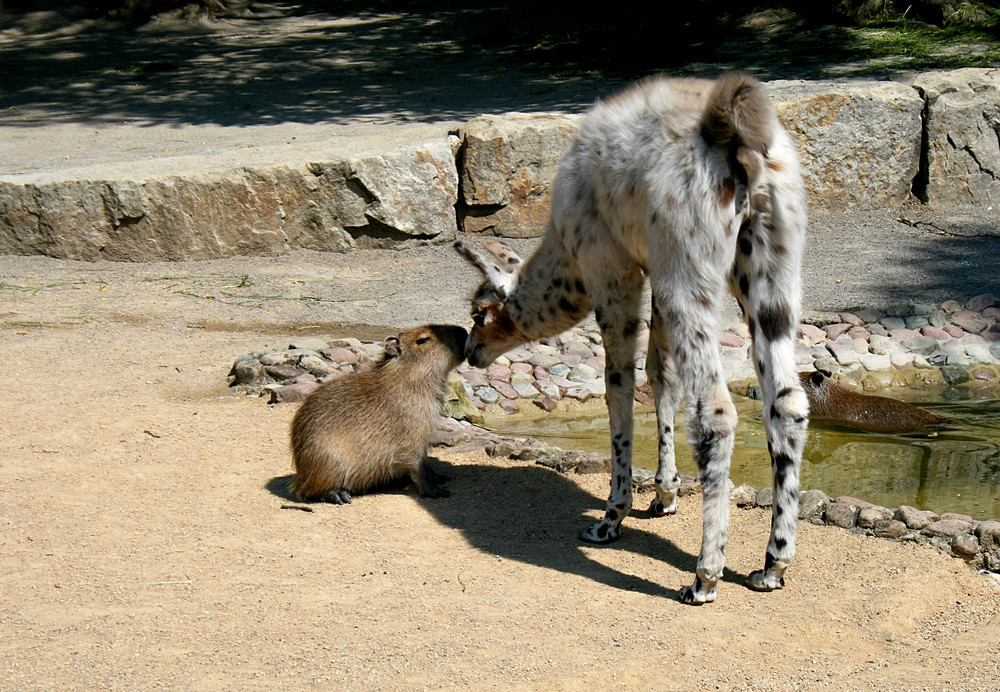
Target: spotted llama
(695,185)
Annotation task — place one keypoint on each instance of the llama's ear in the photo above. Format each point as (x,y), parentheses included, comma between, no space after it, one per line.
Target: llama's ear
(498,263)
(392,347)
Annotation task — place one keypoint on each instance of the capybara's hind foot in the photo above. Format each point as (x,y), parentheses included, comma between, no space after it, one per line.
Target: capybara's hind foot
(434,491)
(336,497)
(435,477)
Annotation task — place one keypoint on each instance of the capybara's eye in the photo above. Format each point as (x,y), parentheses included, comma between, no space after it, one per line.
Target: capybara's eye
(423,340)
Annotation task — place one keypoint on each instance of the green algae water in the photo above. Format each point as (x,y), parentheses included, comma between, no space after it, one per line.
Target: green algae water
(952,470)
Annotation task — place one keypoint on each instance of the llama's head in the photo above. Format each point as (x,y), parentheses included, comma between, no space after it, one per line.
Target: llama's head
(494,330)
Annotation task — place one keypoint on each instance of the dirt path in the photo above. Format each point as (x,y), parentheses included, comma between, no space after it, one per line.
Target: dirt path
(145,546)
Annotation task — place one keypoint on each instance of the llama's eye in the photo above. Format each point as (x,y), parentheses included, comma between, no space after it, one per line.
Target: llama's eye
(479,319)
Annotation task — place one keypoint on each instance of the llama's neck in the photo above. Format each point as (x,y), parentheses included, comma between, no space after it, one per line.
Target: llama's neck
(549,297)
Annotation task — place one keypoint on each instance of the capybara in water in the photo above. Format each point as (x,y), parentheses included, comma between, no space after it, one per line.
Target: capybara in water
(359,431)
(830,402)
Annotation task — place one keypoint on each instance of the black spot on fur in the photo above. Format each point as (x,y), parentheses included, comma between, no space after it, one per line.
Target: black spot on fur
(602,532)
(615,379)
(569,307)
(784,392)
(746,247)
(768,561)
(718,411)
(745,286)
(631,327)
(778,510)
(775,321)
(580,288)
(780,543)
(774,412)
(557,282)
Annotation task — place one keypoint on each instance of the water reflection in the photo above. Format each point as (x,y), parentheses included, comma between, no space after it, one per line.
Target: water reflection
(953,470)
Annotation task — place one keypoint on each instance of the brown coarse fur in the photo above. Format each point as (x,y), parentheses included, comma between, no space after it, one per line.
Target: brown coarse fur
(360,431)
(828,401)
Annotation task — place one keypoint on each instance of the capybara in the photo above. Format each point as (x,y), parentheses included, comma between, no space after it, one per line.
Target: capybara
(362,430)
(829,401)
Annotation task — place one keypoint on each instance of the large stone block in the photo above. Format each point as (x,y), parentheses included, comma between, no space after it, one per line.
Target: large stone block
(402,196)
(508,166)
(859,142)
(963,127)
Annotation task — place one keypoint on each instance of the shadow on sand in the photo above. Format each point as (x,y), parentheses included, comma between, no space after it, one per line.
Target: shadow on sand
(534,515)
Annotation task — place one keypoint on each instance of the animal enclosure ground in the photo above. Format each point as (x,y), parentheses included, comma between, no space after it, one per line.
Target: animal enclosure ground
(143,546)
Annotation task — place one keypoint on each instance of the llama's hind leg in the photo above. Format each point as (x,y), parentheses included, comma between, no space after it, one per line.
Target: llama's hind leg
(615,296)
(666,393)
(711,423)
(785,415)
(766,282)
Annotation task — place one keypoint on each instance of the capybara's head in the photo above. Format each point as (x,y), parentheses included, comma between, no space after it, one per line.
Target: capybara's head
(440,345)
(494,332)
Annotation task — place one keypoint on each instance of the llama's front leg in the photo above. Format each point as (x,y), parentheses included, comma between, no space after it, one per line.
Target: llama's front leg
(616,315)
(666,393)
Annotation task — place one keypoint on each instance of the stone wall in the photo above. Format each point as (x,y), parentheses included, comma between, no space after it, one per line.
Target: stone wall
(864,145)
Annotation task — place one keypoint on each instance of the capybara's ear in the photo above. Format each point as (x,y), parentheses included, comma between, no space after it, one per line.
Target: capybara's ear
(392,347)
(816,378)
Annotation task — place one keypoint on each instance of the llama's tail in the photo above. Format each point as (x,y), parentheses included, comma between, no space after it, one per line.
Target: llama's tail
(739,112)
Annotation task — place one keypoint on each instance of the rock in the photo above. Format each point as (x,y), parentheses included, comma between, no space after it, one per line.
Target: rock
(583,373)
(965,546)
(594,463)
(292,392)
(509,406)
(340,354)
(509,164)
(962,157)
(868,517)
(947,527)
(835,330)
(765,497)
(522,368)
(859,142)
(889,528)
(914,518)
(504,389)
(247,371)
(869,315)
(487,395)
(475,378)
(842,514)
(578,393)
(812,506)
(309,343)
(457,403)
(282,372)
(743,495)
(844,355)
(525,390)
(934,333)
(985,300)
(496,371)
(546,404)
(969,321)
(521,378)
(893,323)
(253,210)
(811,333)
(922,345)
(317,366)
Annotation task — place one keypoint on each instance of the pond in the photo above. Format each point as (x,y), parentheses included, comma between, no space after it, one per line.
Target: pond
(951,470)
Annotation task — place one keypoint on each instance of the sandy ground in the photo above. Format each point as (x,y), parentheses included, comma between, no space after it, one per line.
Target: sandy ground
(144,545)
